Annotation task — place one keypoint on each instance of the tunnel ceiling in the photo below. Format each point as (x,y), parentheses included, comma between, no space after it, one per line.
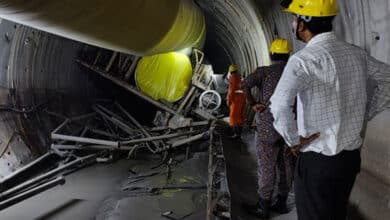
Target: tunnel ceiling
(236,34)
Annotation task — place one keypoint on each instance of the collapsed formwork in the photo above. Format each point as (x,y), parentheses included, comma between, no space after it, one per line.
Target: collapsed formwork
(109,132)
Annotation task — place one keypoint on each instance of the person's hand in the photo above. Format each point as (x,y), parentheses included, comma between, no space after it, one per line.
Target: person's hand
(259,107)
(304,141)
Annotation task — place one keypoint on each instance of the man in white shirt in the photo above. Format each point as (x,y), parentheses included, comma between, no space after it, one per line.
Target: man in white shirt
(329,78)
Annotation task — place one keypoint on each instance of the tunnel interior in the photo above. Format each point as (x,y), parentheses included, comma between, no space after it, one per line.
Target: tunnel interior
(39,74)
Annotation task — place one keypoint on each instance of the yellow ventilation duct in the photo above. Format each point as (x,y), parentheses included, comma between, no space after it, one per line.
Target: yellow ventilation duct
(140,27)
(164,76)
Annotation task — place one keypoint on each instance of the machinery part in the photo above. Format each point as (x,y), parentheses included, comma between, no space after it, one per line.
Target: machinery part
(179,121)
(210,100)
(161,119)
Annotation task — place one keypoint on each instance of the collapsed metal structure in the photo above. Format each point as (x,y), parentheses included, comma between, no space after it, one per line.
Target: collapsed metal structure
(94,137)
(110,130)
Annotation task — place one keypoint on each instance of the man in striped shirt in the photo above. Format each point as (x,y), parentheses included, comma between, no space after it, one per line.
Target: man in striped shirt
(329,78)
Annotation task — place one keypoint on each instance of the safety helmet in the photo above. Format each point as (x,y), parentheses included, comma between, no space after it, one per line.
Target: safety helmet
(313,8)
(281,46)
(233,68)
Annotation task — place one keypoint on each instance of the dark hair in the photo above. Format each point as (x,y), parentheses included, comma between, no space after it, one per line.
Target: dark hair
(279,57)
(285,3)
(318,25)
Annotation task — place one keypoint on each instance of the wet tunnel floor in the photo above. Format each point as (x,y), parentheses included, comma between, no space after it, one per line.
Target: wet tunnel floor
(241,168)
(78,199)
(97,192)
(87,191)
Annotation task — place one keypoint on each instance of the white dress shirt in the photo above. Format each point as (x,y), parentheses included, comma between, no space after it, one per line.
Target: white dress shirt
(329,78)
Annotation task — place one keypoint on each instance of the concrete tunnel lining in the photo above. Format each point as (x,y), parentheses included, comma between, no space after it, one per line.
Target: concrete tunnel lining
(238,32)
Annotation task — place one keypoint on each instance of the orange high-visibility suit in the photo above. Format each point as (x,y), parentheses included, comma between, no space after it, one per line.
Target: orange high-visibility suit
(236,100)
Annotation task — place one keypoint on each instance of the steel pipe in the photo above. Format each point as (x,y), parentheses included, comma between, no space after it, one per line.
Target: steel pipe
(84,140)
(193,124)
(31,192)
(90,147)
(20,187)
(129,88)
(188,140)
(135,122)
(24,168)
(161,137)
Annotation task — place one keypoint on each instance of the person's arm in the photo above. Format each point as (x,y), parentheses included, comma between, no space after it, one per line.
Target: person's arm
(379,73)
(251,81)
(230,92)
(247,91)
(294,79)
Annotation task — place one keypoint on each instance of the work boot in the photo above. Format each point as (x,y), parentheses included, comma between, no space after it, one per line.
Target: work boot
(235,134)
(260,210)
(280,205)
(239,130)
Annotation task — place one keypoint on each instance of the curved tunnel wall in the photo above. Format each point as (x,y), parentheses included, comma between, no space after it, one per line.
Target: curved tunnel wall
(236,33)
(37,71)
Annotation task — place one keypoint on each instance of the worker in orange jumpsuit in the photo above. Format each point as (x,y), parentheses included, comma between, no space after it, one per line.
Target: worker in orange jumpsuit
(236,102)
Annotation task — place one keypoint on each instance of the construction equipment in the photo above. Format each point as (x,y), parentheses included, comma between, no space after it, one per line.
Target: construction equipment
(110,127)
(201,82)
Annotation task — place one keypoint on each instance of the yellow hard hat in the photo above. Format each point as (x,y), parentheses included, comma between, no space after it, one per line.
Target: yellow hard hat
(315,8)
(233,68)
(281,46)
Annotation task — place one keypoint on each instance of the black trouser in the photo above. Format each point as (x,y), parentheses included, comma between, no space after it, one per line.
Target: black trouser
(323,184)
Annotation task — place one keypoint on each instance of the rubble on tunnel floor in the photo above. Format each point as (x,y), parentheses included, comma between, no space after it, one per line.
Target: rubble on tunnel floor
(109,131)
(161,193)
